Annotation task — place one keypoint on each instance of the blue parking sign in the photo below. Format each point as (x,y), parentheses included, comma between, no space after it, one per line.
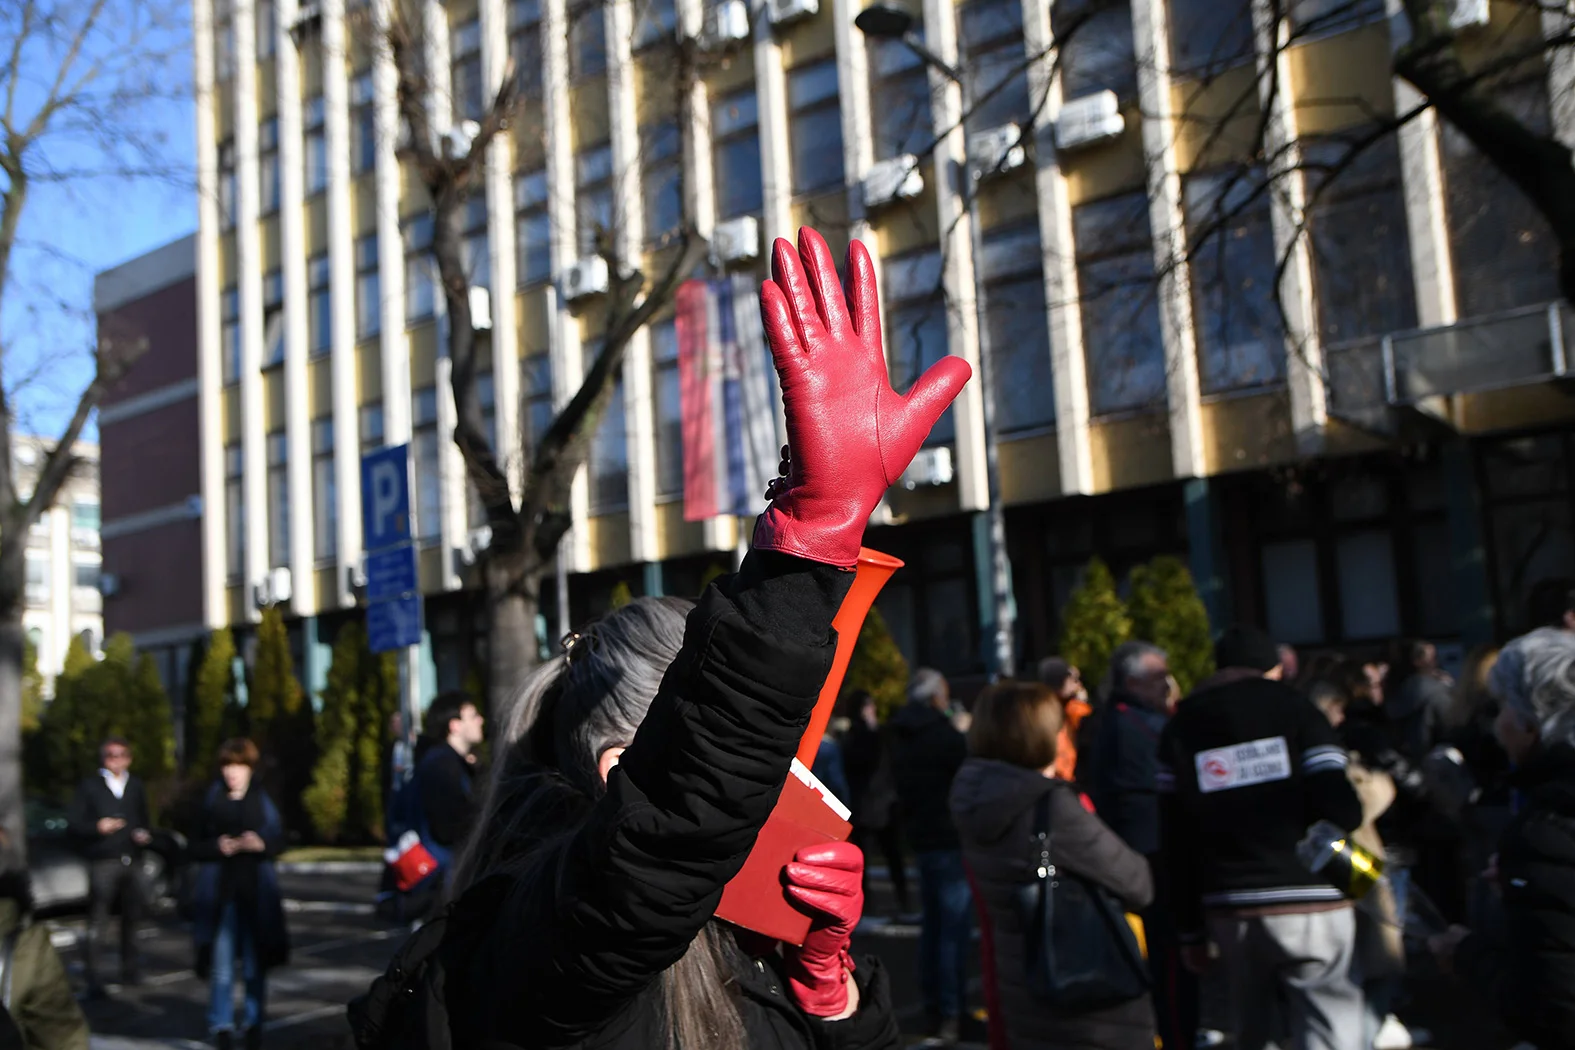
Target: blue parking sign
(394,624)
(385,497)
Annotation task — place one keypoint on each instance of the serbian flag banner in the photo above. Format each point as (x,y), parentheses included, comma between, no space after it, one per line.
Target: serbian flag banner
(727,398)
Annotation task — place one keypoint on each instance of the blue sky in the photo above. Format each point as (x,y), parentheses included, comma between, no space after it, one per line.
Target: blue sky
(76,226)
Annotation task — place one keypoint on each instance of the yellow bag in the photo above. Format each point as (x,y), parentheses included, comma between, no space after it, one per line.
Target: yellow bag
(1136,922)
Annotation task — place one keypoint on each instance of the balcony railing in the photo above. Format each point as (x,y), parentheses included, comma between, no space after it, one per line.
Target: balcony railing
(1512,348)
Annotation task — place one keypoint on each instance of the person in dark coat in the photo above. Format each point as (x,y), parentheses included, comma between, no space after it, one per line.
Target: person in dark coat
(443,775)
(1012,745)
(637,768)
(236,904)
(877,819)
(109,816)
(927,749)
(1526,966)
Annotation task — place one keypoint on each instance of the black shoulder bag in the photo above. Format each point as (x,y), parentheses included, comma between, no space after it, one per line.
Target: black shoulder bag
(1081,952)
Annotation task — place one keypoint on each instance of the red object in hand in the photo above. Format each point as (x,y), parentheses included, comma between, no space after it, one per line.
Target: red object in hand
(850,435)
(826,882)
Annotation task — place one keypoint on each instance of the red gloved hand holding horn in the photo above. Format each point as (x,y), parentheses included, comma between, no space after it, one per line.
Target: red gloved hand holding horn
(851,436)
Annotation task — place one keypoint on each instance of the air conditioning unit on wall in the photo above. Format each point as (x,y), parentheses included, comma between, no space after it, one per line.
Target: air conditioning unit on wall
(1089,120)
(737,240)
(783,11)
(274,588)
(585,278)
(480,307)
(996,151)
(1468,14)
(893,180)
(726,23)
(932,466)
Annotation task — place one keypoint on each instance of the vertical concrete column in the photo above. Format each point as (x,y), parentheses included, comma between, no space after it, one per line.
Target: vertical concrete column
(1287,212)
(1151,34)
(858,138)
(248,266)
(210,381)
(1068,369)
(393,345)
(342,307)
(957,274)
(500,242)
(776,163)
(292,258)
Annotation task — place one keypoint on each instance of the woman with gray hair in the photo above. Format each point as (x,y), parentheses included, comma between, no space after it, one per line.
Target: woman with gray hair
(1526,968)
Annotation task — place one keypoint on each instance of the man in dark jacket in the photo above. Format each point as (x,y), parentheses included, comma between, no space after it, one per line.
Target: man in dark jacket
(109,816)
(448,805)
(927,749)
(1246,766)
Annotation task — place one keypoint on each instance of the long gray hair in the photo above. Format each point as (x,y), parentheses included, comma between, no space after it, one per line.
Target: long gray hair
(546,779)
(1535,678)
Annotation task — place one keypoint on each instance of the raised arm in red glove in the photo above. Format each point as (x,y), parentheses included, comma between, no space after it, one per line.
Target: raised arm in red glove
(827,883)
(850,434)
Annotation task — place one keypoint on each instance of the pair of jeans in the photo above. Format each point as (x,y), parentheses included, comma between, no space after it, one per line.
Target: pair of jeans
(1381,993)
(235,937)
(945,937)
(114,879)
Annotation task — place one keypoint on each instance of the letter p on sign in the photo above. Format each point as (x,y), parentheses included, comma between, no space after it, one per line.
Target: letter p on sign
(385,497)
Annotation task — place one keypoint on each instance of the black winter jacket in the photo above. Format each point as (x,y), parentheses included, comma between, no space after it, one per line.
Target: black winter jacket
(1527,969)
(447,800)
(866,761)
(1124,768)
(926,752)
(93,802)
(1246,767)
(576,953)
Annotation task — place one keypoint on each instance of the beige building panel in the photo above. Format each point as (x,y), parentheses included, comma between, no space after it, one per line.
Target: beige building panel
(275,402)
(1109,169)
(734,72)
(228,271)
(429,570)
(311,50)
(1010,199)
(828,213)
(529,131)
(1130,452)
(1345,439)
(1341,81)
(326,589)
(609,535)
(320,387)
(1513,29)
(413,196)
(461,11)
(358,35)
(267,89)
(1513,408)
(656,86)
(423,354)
(235,600)
(535,321)
(676,537)
(1030,469)
(909,225)
(592,318)
(809,40)
(1242,433)
(588,116)
(269,239)
(936,501)
(1217,122)
(363,205)
(316,224)
(223,110)
(230,414)
(369,372)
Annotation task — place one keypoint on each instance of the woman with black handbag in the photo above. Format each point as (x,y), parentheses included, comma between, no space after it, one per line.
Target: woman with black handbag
(1063,966)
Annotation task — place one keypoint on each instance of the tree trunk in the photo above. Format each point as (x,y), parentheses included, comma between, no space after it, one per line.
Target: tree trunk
(513,593)
(12,818)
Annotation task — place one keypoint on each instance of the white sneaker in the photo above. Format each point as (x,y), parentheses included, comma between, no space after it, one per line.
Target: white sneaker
(1393,1035)
(1208,1038)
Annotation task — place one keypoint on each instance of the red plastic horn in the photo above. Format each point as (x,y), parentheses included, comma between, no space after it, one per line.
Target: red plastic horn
(874,569)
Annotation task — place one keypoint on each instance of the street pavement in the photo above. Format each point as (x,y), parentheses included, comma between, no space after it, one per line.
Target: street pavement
(339,946)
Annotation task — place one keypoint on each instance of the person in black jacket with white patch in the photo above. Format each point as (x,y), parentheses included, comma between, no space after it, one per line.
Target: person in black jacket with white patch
(109,816)
(1526,967)
(1247,765)
(635,770)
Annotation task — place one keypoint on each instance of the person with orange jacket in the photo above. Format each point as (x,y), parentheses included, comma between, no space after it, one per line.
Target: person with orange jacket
(1066,681)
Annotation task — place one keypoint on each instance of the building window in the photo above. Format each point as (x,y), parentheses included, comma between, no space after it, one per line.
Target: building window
(420,291)
(230,334)
(916,327)
(268,165)
(661,178)
(474,251)
(278,500)
(368,288)
(668,415)
(1122,345)
(470,102)
(227,184)
(815,127)
(1098,52)
(609,459)
(899,100)
(319,308)
(990,33)
(655,21)
(85,516)
(1207,36)
(370,427)
(735,155)
(593,204)
(37,578)
(1504,252)
(1358,235)
(425,452)
(532,230)
(267,27)
(525,45)
(273,318)
(234,513)
(363,118)
(587,42)
(86,574)
(537,373)
(1019,330)
(223,41)
(325,498)
(1232,269)
(487,395)
(316,146)
(1321,17)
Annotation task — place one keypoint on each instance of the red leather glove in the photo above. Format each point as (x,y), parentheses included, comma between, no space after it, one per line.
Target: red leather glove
(826,882)
(850,434)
